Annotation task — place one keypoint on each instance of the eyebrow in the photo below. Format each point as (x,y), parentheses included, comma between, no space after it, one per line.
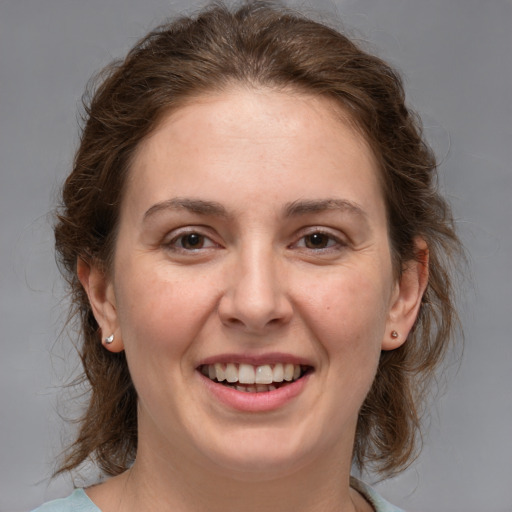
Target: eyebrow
(303,207)
(293,209)
(198,206)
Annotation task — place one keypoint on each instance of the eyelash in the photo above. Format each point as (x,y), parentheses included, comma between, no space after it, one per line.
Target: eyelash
(173,243)
(333,242)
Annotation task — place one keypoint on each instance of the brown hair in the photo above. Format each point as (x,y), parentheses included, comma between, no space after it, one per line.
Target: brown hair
(257,44)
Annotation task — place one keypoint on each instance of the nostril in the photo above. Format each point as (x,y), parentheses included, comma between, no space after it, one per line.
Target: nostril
(252,324)
(234,322)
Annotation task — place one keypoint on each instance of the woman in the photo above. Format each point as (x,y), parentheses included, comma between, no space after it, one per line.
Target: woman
(259,258)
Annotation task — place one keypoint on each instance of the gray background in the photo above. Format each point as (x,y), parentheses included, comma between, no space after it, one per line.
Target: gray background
(456,59)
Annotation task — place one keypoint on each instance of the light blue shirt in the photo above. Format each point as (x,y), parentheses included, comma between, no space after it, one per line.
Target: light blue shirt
(80,502)
(77,502)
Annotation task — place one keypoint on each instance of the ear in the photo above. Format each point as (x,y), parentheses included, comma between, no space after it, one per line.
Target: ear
(407,297)
(100,291)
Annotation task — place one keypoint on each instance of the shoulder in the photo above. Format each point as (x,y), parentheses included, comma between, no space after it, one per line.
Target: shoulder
(375,499)
(77,502)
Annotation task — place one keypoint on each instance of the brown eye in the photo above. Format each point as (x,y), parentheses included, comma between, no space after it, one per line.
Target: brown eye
(192,241)
(317,241)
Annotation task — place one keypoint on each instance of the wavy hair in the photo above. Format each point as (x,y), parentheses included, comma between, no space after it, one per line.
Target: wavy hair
(260,44)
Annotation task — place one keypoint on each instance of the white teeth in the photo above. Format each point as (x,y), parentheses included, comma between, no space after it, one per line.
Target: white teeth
(278,373)
(264,374)
(231,373)
(243,373)
(246,374)
(219,372)
(288,372)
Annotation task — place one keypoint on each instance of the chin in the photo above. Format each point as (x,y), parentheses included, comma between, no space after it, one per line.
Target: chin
(260,457)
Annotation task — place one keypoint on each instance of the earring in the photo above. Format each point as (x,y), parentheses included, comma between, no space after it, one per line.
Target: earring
(109,340)
(394,334)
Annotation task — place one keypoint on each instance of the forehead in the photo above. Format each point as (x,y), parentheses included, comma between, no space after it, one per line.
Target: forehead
(243,111)
(298,143)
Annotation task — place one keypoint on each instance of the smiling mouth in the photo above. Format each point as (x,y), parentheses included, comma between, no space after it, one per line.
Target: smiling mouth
(254,379)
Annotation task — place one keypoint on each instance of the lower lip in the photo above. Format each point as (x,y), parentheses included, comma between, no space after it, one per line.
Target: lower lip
(255,402)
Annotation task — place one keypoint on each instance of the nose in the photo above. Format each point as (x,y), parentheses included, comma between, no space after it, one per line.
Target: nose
(255,299)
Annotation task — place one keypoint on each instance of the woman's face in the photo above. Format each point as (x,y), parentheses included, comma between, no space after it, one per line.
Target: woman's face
(252,245)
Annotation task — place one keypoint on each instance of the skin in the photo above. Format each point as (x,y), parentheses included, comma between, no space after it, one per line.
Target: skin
(255,284)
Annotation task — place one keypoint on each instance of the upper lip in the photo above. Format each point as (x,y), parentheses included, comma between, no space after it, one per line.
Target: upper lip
(256,360)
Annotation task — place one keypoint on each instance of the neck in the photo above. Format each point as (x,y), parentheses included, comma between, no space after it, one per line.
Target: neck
(177,478)
(322,486)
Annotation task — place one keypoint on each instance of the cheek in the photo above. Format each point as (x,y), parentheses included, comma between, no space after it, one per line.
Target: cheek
(347,312)
(162,311)
(160,317)
(346,316)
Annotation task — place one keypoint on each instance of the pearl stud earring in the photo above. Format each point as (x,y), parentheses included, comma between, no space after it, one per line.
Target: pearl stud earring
(109,340)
